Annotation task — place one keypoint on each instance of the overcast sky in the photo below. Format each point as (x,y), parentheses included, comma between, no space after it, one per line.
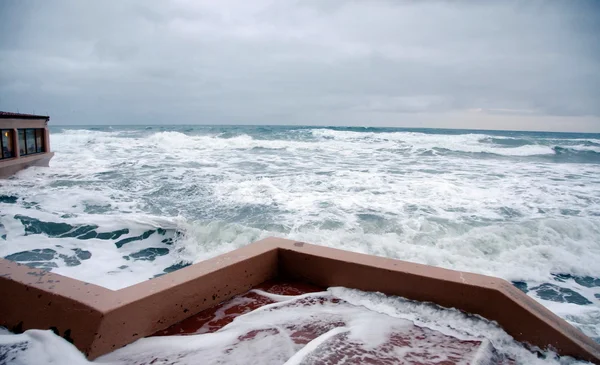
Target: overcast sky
(531,65)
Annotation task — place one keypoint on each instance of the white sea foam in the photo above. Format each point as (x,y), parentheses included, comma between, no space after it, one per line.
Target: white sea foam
(456,201)
(265,335)
(423,142)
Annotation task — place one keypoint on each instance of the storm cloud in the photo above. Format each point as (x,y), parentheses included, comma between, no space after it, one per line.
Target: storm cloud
(490,65)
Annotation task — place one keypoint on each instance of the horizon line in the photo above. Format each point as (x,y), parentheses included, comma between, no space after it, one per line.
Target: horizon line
(318,126)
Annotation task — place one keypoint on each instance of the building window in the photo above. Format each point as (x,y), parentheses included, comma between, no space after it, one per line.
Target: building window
(6,143)
(39,140)
(22,143)
(30,136)
(31,141)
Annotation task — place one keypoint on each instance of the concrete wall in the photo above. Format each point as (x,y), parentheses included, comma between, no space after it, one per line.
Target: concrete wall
(10,123)
(105,320)
(11,166)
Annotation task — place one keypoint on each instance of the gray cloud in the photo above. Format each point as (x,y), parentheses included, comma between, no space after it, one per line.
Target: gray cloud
(303,62)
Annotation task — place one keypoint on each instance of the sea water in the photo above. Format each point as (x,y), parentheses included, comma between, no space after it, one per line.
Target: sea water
(338,326)
(119,205)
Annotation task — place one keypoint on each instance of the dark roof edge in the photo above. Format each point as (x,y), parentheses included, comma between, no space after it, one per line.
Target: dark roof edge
(10,115)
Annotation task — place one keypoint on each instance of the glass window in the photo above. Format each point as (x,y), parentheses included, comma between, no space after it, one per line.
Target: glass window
(22,143)
(30,135)
(31,141)
(39,140)
(6,143)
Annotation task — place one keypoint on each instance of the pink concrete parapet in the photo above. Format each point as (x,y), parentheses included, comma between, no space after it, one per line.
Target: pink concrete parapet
(14,165)
(98,320)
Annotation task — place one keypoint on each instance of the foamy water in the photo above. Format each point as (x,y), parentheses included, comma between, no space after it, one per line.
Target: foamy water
(119,206)
(361,328)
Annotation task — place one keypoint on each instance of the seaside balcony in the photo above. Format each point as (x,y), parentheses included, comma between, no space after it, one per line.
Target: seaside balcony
(269,301)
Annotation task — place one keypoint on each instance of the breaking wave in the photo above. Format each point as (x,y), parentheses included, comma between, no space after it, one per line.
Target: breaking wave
(121,205)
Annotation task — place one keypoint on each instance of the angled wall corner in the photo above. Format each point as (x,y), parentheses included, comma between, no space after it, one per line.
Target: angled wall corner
(148,307)
(492,298)
(37,299)
(99,320)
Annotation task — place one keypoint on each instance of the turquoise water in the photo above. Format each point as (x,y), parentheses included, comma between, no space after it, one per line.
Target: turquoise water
(124,204)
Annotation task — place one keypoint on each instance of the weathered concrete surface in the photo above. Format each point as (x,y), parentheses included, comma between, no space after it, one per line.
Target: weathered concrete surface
(11,166)
(101,320)
(33,298)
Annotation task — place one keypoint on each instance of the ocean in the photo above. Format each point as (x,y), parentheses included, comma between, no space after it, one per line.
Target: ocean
(123,204)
